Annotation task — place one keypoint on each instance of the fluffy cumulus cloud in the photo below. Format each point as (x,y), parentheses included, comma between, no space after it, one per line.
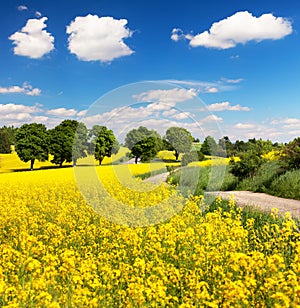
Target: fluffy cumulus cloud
(168,98)
(227,106)
(244,126)
(33,41)
(25,89)
(94,38)
(239,28)
(62,112)
(18,114)
(211,118)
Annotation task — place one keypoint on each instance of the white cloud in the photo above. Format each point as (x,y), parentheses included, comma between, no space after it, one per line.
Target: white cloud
(244,126)
(32,41)
(234,81)
(226,106)
(62,112)
(6,109)
(181,115)
(211,118)
(223,84)
(288,123)
(25,89)
(94,38)
(168,97)
(239,28)
(22,8)
(38,14)
(81,113)
(212,90)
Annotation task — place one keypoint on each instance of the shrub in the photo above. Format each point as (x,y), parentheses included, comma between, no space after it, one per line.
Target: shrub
(263,178)
(287,185)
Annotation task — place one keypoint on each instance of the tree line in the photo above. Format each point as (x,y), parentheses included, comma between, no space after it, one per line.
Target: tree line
(71,140)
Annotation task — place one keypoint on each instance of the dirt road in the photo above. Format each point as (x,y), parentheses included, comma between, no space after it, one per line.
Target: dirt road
(263,201)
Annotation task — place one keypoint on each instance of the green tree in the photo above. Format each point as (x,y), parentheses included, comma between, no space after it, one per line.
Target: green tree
(141,145)
(145,149)
(247,166)
(32,143)
(105,142)
(209,146)
(68,142)
(4,142)
(11,133)
(291,157)
(179,139)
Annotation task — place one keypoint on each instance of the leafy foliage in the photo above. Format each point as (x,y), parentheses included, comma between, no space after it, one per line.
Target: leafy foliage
(68,142)
(4,142)
(32,143)
(291,154)
(143,143)
(246,166)
(106,143)
(179,140)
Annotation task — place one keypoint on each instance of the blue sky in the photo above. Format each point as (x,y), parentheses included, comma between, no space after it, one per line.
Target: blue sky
(219,67)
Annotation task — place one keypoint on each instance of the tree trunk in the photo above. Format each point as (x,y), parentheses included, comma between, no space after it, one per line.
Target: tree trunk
(60,164)
(74,162)
(176,155)
(136,159)
(31,164)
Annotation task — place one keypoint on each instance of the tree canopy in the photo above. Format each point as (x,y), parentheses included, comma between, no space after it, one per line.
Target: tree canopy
(68,142)
(105,142)
(179,140)
(32,143)
(143,143)
(4,142)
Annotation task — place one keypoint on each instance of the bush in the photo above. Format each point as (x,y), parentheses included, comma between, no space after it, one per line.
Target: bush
(202,179)
(263,178)
(287,185)
(247,165)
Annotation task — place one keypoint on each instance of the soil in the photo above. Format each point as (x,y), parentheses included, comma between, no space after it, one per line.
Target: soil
(262,201)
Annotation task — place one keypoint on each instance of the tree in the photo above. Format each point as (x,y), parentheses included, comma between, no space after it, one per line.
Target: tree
(68,142)
(4,142)
(105,142)
(179,139)
(247,166)
(145,149)
(32,143)
(143,143)
(209,146)
(291,154)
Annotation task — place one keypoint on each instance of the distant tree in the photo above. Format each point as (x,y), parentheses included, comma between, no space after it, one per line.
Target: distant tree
(179,140)
(192,156)
(106,143)
(291,154)
(209,146)
(145,149)
(10,132)
(32,143)
(4,142)
(68,142)
(140,143)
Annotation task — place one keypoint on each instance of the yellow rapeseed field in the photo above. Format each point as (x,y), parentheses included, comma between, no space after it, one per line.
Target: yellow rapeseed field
(59,249)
